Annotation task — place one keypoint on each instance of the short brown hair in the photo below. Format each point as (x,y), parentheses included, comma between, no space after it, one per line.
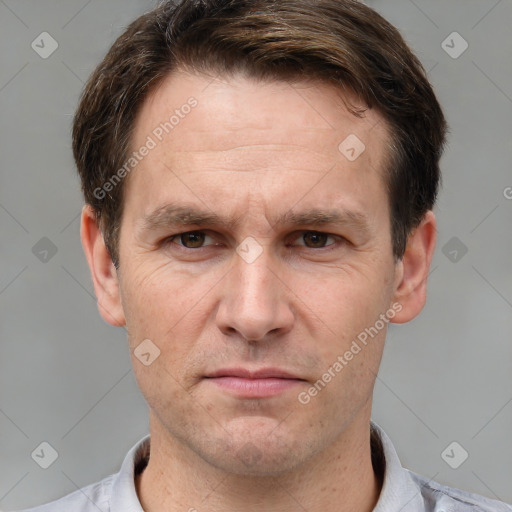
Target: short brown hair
(340,42)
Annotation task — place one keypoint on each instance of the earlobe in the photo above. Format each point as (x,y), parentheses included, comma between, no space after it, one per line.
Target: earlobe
(413,270)
(103,271)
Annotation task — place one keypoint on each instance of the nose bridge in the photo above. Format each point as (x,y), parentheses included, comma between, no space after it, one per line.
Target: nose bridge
(253,278)
(254,303)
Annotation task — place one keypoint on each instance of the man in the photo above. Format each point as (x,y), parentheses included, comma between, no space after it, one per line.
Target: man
(259,178)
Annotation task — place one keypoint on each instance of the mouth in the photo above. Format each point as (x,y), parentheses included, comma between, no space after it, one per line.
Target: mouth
(262,383)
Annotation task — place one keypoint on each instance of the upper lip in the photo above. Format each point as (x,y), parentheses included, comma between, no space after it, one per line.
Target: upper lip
(262,373)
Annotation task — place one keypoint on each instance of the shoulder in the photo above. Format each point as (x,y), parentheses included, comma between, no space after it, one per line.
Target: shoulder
(93,498)
(439,497)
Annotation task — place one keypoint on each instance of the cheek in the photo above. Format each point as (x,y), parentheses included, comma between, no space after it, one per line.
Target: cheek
(155,294)
(348,308)
(350,297)
(168,307)
(352,349)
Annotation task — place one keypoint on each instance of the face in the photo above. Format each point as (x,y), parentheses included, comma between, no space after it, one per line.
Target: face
(254,252)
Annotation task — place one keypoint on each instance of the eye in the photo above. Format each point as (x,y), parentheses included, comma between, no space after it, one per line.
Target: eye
(316,239)
(309,239)
(189,240)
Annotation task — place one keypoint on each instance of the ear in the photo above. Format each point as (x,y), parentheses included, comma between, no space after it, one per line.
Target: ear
(413,269)
(103,272)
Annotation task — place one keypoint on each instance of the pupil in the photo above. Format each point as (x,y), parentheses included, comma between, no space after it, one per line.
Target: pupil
(316,238)
(199,239)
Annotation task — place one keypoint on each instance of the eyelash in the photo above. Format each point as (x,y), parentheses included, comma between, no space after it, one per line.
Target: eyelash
(338,240)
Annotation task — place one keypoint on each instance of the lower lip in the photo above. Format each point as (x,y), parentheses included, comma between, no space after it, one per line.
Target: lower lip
(254,388)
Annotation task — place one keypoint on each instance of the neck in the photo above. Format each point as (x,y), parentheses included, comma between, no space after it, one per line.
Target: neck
(340,478)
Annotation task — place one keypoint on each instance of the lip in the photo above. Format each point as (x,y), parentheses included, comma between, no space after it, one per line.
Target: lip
(262,383)
(262,373)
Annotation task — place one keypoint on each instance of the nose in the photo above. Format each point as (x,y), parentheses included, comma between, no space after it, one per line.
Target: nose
(255,301)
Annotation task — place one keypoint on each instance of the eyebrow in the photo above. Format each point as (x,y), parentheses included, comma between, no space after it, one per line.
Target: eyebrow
(174,215)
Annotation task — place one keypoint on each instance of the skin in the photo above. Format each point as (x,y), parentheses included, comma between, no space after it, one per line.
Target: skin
(251,152)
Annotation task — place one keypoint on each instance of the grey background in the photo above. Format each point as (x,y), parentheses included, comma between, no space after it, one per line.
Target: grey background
(65,375)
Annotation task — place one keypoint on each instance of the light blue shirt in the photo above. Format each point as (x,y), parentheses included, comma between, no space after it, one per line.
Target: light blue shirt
(402,490)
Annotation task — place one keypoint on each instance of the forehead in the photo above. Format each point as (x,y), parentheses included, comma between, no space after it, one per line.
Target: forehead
(242,106)
(220,132)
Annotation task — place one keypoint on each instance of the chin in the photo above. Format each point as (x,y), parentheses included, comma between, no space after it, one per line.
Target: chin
(256,451)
